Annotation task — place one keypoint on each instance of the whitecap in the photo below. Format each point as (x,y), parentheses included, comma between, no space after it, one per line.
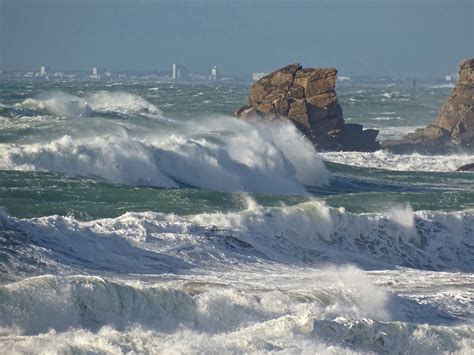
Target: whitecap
(267,158)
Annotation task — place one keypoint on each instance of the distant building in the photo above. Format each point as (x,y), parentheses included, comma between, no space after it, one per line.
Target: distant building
(448,78)
(175,73)
(95,73)
(42,70)
(258,76)
(179,72)
(214,73)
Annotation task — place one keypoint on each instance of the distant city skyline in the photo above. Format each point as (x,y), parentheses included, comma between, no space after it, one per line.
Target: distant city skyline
(388,37)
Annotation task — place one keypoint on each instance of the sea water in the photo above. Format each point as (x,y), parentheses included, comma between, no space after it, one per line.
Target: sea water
(140,217)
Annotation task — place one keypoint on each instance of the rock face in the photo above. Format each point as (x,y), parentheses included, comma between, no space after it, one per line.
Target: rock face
(467,167)
(453,129)
(308,98)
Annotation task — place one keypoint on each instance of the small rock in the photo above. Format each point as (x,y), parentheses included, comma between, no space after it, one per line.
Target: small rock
(467,167)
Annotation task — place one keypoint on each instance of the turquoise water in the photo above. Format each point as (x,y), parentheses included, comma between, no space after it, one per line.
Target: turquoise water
(35,194)
(28,194)
(141,217)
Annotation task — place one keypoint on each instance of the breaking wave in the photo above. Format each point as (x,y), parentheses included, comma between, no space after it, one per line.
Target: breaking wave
(222,154)
(305,234)
(60,104)
(193,316)
(67,105)
(217,300)
(400,162)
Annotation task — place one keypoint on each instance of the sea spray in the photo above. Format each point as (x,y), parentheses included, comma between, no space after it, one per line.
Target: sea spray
(244,277)
(72,106)
(399,162)
(92,302)
(59,103)
(120,101)
(403,216)
(307,233)
(338,305)
(245,159)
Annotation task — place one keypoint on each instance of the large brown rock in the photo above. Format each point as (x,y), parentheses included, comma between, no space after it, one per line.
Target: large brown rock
(308,98)
(453,128)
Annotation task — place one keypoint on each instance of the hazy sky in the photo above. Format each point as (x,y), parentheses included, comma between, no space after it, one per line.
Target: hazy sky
(388,37)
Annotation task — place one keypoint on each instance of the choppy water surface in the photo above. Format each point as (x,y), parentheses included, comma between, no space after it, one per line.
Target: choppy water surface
(140,217)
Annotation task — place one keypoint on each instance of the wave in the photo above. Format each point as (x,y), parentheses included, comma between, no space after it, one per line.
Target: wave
(313,232)
(220,154)
(306,234)
(395,132)
(38,304)
(400,162)
(120,101)
(387,118)
(288,334)
(195,282)
(60,104)
(442,86)
(336,308)
(67,105)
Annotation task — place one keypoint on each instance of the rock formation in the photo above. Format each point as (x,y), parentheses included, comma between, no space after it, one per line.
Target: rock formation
(308,98)
(467,167)
(453,129)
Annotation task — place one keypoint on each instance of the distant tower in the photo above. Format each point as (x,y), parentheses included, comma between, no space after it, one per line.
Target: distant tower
(95,73)
(42,70)
(214,72)
(175,72)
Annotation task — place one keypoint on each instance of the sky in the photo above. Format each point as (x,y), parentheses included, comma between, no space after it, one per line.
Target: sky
(358,37)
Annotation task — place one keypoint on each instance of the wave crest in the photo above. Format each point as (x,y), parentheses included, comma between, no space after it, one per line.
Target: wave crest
(306,234)
(67,105)
(246,158)
(60,104)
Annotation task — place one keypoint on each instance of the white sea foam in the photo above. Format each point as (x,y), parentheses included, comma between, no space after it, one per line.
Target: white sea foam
(286,335)
(400,162)
(59,103)
(403,216)
(120,101)
(442,86)
(186,316)
(38,304)
(308,233)
(394,132)
(258,158)
(233,283)
(387,118)
(128,162)
(260,280)
(67,105)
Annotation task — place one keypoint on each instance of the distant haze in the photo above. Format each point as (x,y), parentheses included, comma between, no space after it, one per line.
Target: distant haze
(420,38)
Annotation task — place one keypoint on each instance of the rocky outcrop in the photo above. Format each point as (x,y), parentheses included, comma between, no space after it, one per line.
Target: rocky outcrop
(467,167)
(453,129)
(308,98)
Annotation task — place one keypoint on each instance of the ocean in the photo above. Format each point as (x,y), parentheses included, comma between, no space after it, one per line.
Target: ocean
(141,217)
